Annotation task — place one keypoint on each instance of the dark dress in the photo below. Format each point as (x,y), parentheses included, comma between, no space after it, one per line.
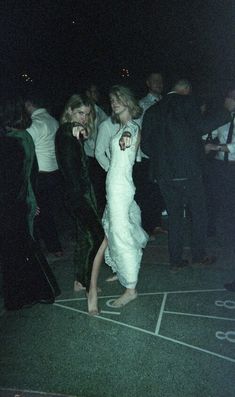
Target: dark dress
(27,278)
(80,200)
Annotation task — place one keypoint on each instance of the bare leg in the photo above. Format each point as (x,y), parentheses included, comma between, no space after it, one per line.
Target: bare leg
(129,295)
(92,296)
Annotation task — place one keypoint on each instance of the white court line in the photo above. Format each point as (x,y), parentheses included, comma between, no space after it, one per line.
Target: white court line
(145,294)
(197,348)
(151,333)
(72,309)
(160,314)
(182,292)
(199,315)
(109,312)
(108,319)
(34,392)
(82,299)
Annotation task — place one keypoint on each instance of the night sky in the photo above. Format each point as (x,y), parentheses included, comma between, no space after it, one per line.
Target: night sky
(63,44)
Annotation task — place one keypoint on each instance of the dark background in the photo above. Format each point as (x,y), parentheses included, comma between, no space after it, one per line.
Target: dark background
(64,44)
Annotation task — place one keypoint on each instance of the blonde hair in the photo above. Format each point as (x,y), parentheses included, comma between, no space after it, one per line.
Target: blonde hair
(127,98)
(75,102)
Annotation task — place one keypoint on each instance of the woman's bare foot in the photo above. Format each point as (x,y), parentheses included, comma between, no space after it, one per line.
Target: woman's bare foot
(112,278)
(92,302)
(124,299)
(78,286)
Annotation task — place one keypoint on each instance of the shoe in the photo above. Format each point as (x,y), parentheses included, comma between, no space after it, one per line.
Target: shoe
(230,286)
(205,261)
(175,267)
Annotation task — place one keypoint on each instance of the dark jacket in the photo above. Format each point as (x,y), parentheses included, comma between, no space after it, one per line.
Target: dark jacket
(171,137)
(73,163)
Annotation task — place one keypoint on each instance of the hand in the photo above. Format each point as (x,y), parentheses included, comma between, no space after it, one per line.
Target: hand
(80,131)
(125,140)
(229,104)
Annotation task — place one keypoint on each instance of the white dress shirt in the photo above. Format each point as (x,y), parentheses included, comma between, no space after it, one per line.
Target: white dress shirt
(148,101)
(106,131)
(43,130)
(90,143)
(222,133)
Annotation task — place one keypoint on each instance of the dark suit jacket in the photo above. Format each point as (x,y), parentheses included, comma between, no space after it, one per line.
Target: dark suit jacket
(171,137)
(73,164)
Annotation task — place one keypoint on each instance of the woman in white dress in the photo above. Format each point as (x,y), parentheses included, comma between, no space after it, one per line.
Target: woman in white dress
(124,237)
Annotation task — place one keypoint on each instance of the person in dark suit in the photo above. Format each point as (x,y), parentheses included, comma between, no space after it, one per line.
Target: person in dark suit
(171,137)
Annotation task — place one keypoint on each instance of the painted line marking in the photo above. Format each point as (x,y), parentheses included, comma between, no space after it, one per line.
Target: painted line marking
(227,304)
(108,319)
(108,312)
(199,315)
(34,392)
(161,314)
(146,294)
(229,336)
(109,303)
(152,333)
(196,348)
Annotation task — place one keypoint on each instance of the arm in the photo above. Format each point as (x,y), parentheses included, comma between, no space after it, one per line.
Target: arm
(147,132)
(69,157)
(101,115)
(130,137)
(102,146)
(34,130)
(207,124)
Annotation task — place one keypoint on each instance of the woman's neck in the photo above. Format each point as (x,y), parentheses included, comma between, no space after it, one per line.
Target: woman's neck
(124,118)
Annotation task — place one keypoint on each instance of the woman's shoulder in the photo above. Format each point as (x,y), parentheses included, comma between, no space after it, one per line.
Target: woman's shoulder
(133,126)
(65,131)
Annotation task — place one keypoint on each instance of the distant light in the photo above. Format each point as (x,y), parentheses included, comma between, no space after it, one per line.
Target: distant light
(125,73)
(73,22)
(26,78)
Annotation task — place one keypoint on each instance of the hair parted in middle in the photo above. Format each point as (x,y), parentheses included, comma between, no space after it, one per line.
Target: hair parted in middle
(76,101)
(127,98)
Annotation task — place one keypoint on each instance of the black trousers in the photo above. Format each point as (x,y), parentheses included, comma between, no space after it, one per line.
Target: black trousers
(148,196)
(48,195)
(178,195)
(220,183)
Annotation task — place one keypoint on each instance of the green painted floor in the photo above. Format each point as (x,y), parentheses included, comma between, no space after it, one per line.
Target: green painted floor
(176,340)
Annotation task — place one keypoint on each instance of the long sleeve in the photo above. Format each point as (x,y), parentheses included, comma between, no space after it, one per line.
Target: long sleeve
(207,124)
(102,152)
(71,158)
(148,131)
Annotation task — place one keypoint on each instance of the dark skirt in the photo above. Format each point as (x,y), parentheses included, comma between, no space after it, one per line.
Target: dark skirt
(27,277)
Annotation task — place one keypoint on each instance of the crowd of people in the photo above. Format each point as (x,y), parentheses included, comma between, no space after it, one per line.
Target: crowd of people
(116,174)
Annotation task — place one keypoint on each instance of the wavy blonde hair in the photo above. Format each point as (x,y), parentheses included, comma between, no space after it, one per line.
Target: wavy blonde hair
(75,102)
(127,98)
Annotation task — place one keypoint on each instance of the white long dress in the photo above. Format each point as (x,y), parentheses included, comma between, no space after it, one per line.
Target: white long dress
(122,218)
